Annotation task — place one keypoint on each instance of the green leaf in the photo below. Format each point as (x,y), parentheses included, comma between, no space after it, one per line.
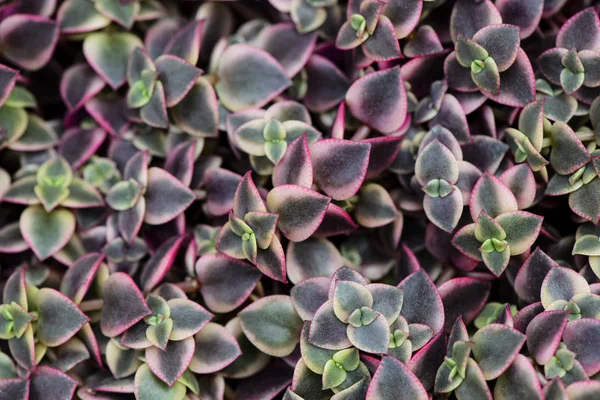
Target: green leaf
(486,228)
(348,359)
(333,375)
(51,196)
(495,260)
(272,325)
(159,334)
(571,81)
(275,150)
(350,296)
(46,233)
(55,173)
(149,387)
(587,245)
(124,195)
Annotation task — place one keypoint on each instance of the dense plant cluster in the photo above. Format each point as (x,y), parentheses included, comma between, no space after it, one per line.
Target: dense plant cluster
(300,199)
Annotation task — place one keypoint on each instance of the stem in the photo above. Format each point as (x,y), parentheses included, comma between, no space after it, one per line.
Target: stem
(189,286)
(585,136)
(547,142)
(254,297)
(260,290)
(91,305)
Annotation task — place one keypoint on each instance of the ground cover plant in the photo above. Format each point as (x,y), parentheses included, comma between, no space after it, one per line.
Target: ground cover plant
(299,199)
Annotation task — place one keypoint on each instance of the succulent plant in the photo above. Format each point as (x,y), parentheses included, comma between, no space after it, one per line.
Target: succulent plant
(299,199)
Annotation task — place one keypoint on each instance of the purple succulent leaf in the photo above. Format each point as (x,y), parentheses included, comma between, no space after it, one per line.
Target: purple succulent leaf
(59,318)
(327,84)
(78,85)
(436,161)
(147,384)
(314,357)
(444,212)
(221,187)
(529,279)
(159,264)
(16,388)
(15,289)
(154,113)
(495,347)
(517,85)
(492,196)
(38,135)
(11,240)
(188,318)
(130,221)
(452,116)
(180,161)
(313,257)
(308,295)
(582,389)
(555,390)
(230,243)
(241,69)
(524,15)
(404,15)
(470,16)
(286,110)
(290,48)
(340,166)
(562,284)
(391,375)
(170,364)
(271,261)
(247,197)
(375,206)
(216,348)
(501,42)
(425,42)
(268,315)
(161,34)
(111,114)
(80,276)
(288,201)
(463,298)
(108,55)
(383,44)
(185,43)
(521,182)
(417,287)
(568,153)
(458,77)
(544,334)
(35,52)
(295,168)
(22,192)
(349,296)
(327,331)
(520,379)
(166,197)
(138,61)
(583,201)
(47,381)
(383,153)
(428,359)
(522,229)
(177,76)
(581,31)
(46,233)
(124,305)
(197,113)
(379,100)
(581,337)
(387,300)
(525,315)
(123,14)
(336,221)
(590,60)
(550,63)
(372,338)
(77,16)
(484,152)
(468,175)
